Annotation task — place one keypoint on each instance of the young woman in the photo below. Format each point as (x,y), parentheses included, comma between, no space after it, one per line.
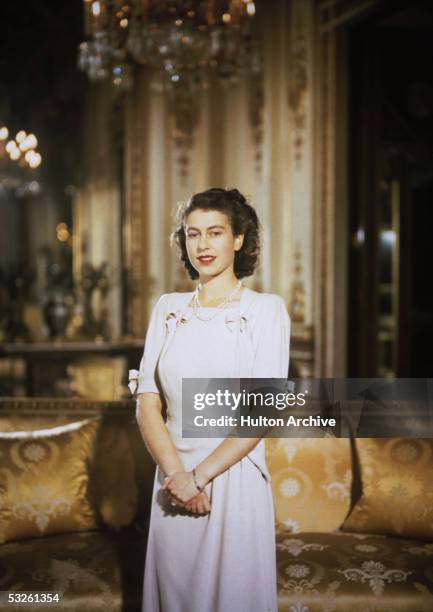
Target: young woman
(211,545)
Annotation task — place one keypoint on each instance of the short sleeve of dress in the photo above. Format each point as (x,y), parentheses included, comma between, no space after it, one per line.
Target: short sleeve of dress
(272,341)
(155,336)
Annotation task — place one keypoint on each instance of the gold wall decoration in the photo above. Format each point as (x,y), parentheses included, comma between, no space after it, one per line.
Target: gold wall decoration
(302,343)
(297,302)
(184,111)
(97,202)
(134,222)
(298,81)
(257,101)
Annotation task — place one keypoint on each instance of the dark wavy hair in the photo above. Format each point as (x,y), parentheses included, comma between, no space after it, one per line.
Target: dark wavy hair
(243,220)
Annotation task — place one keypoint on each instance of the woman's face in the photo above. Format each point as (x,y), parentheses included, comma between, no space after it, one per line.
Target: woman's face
(210,242)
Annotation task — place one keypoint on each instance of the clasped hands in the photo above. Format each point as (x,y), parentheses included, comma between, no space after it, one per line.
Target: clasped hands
(181,490)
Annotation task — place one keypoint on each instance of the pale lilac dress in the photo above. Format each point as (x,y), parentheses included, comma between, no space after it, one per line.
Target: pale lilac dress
(224,561)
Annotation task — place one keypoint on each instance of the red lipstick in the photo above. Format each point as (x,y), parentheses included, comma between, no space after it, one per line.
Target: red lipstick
(206,259)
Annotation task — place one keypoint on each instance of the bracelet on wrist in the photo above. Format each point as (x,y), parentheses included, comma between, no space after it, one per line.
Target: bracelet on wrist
(198,487)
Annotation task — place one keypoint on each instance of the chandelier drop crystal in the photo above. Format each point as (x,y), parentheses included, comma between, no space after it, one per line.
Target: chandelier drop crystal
(184,41)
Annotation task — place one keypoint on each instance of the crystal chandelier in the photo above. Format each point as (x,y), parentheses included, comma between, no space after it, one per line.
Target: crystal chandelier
(18,158)
(184,41)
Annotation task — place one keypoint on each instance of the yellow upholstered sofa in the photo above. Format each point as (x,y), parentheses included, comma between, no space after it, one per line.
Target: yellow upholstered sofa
(354,518)
(73,503)
(354,524)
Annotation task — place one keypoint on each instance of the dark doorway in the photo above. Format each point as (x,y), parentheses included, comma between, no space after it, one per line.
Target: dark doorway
(391,195)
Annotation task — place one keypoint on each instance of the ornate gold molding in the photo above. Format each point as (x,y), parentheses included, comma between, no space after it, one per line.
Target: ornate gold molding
(297,302)
(298,81)
(302,343)
(134,223)
(184,110)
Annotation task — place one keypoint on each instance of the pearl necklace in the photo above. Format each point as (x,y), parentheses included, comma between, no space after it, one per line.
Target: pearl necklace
(196,302)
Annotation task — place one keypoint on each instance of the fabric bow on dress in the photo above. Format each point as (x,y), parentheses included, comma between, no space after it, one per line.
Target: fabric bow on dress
(133,380)
(176,318)
(232,320)
(173,319)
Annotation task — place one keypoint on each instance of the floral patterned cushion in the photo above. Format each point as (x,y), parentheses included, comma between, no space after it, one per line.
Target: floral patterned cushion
(341,572)
(397,491)
(113,476)
(311,482)
(44,481)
